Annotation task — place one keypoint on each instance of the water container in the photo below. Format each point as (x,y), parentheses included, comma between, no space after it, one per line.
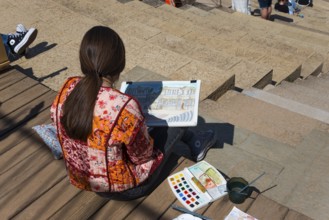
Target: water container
(291,8)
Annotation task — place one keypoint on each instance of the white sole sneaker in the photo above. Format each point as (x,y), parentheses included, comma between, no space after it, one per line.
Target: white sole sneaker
(26,41)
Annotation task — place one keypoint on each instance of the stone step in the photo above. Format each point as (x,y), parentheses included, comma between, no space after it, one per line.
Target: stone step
(145,33)
(304,21)
(261,26)
(314,65)
(315,18)
(206,5)
(281,68)
(164,62)
(297,104)
(323,4)
(227,4)
(176,67)
(318,11)
(260,117)
(321,84)
(258,75)
(324,75)
(311,61)
(213,84)
(55,51)
(175,27)
(291,52)
(301,38)
(241,22)
(304,95)
(140,74)
(306,177)
(241,152)
(313,14)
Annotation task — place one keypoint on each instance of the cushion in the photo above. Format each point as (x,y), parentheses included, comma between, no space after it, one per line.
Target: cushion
(48,134)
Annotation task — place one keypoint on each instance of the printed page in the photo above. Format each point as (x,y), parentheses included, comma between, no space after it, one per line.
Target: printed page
(166,103)
(238,214)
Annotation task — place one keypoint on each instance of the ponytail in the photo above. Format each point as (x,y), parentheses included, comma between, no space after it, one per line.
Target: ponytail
(102,54)
(78,109)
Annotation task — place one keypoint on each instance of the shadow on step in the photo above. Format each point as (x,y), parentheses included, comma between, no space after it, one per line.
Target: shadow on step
(38,49)
(256,12)
(224,131)
(29,73)
(224,135)
(281,18)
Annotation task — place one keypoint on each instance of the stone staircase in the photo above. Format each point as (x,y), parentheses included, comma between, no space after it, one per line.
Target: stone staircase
(173,43)
(306,98)
(228,52)
(314,20)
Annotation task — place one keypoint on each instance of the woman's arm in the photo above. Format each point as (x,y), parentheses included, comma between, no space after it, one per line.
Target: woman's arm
(138,142)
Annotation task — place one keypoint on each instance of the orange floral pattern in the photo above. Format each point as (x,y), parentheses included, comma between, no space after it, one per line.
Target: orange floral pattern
(118,154)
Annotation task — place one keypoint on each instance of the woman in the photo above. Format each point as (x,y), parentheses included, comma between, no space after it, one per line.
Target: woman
(106,145)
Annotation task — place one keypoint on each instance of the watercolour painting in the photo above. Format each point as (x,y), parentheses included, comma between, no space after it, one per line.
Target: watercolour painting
(166,103)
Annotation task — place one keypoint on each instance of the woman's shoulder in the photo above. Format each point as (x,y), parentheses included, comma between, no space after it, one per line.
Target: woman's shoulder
(73,79)
(70,81)
(112,97)
(69,84)
(114,93)
(112,100)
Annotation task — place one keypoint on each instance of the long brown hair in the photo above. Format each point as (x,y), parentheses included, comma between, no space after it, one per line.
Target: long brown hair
(102,54)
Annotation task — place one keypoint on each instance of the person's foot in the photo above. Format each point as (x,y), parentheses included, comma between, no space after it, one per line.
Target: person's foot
(18,42)
(21,29)
(200,143)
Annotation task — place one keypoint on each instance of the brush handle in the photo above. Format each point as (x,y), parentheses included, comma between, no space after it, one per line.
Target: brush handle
(252,182)
(184,210)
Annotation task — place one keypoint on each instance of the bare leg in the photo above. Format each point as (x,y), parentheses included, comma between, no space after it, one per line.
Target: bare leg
(269,11)
(264,13)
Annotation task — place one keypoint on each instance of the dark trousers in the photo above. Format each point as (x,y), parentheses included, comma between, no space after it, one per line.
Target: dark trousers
(11,56)
(165,139)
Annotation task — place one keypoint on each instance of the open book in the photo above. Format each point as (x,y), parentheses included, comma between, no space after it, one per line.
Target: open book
(198,185)
(166,103)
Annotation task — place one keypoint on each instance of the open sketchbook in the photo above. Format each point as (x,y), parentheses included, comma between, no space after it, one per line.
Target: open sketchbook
(166,103)
(198,185)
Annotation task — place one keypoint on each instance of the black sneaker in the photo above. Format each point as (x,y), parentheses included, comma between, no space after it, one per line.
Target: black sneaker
(200,143)
(21,29)
(18,42)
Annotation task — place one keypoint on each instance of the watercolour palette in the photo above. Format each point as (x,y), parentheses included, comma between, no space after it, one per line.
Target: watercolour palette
(198,185)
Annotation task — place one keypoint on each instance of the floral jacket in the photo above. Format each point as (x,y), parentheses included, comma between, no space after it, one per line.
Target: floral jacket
(118,154)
